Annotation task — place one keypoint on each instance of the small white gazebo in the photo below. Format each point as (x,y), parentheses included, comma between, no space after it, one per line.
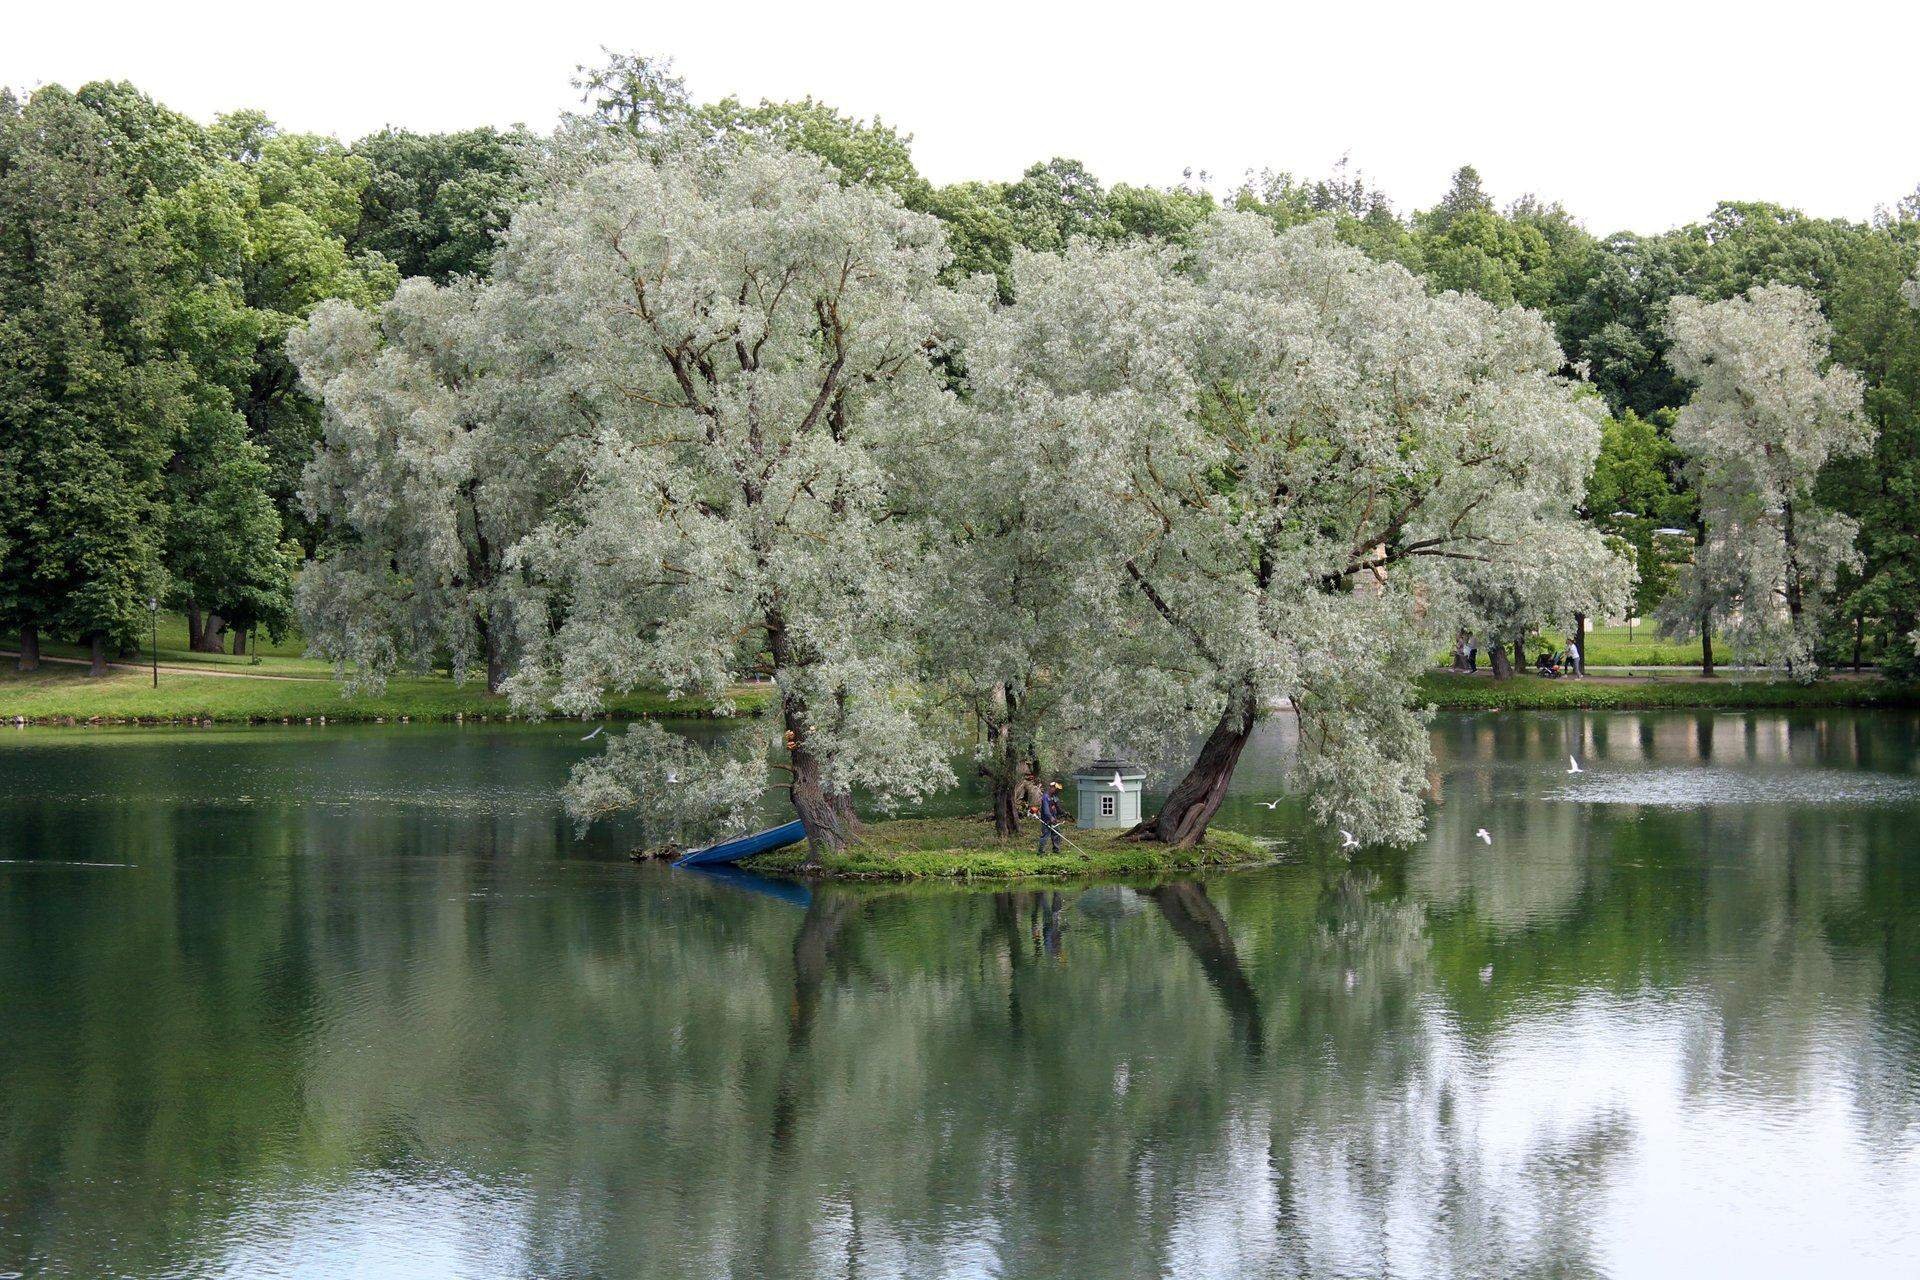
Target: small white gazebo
(1108,793)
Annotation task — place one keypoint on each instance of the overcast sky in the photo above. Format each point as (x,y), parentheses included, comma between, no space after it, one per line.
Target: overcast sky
(1635,115)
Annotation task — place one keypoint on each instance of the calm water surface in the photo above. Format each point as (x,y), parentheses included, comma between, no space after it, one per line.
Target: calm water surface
(353,1002)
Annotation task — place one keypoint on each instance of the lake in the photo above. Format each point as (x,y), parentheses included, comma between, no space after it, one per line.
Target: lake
(353,1001)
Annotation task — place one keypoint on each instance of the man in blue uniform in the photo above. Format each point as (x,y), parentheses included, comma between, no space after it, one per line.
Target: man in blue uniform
(1051,814)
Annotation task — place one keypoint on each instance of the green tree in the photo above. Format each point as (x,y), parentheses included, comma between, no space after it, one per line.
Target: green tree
(434,204)
(243,227)
(300,198)
(1877,332)
(1058,202)
(89,397)
(1636,488)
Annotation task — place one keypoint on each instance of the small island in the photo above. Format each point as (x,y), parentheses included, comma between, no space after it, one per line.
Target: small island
(968,849)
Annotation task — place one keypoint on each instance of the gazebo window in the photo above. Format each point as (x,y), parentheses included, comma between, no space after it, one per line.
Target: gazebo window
(1106,806)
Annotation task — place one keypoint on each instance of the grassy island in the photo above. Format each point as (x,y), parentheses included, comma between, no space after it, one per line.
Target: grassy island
(966,848)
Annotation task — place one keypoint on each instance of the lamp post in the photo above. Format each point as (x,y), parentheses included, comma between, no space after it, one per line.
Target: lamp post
(153,613)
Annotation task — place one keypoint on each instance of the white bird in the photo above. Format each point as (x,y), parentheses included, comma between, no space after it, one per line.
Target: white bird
(1270,804)
(1486,973)
(1573,766)
(596,733)
(1347,841)
(672,776)
(1118,783)
(1482,836)
(1350,979)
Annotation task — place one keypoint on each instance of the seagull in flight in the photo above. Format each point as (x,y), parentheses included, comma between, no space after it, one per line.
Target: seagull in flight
(1347,841)
(1118,783)
(1486,974)
(1269,804)
(1573,766)
(596,733)
(672,776)
(1482,836)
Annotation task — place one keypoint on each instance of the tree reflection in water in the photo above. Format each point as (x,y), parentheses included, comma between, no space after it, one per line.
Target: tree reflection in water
(387,1017)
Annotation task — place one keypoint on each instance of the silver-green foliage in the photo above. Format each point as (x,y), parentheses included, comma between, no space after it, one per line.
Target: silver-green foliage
(1291,454)
(1768,411)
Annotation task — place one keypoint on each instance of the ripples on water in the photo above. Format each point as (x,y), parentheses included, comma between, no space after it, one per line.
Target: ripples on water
(1698,787)
(362,1007)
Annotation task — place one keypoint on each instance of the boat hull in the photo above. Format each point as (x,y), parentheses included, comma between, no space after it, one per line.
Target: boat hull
(728,851)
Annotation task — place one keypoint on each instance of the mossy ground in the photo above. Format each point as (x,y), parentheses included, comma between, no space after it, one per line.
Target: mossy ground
(966,848)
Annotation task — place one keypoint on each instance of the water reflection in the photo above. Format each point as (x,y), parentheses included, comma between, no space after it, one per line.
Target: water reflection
(360,1006)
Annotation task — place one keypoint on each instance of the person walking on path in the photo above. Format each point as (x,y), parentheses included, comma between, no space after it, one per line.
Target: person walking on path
(1051,815)
(1575,665)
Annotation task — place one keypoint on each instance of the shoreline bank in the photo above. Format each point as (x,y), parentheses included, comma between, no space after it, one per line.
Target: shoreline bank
(1452,691)
(64,695)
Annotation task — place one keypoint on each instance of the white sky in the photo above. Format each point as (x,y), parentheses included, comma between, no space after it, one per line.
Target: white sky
(1636,115)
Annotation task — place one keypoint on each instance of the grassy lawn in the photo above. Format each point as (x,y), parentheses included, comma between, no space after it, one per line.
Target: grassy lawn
(1613,647)
(1616,647)
(1452,692)
(284,658)
(60,693)
(925,848)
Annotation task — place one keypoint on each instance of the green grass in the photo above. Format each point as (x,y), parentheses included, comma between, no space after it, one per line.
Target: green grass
(966,848)
(1452,692)
(285,658)
(1612,647)
(62,694)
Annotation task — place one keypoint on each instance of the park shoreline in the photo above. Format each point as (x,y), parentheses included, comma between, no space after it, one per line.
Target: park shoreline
(60,694)
(1454,691)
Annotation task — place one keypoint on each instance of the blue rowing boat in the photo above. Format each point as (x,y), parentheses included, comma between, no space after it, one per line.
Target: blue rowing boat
(745,846)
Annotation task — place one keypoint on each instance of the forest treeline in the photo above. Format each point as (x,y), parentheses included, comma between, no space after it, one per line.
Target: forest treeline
(154,432)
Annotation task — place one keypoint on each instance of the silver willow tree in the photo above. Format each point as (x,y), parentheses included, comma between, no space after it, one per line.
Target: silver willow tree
(1291,450)
(424,479)
(1768,411)
(738,348)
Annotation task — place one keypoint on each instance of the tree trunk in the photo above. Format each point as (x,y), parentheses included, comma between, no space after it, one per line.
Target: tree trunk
(1497,654)
(496,654)
(828,816)
(1003,768)
(208,638)
(97,644)
(1796,600)
(1195,799)
(1859,637)
(193,625)
(29,648)
(1706,644)
(239,644)
(1580,639)
(1520,653)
